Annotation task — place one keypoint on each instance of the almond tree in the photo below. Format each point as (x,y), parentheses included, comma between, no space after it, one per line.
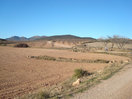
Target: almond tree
(119,41)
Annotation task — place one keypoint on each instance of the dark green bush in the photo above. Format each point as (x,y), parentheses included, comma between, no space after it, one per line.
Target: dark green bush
(22,45)
(78,73)
(43,95)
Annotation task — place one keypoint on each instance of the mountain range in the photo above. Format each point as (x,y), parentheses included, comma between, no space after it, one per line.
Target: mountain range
(17,38)
(64,37)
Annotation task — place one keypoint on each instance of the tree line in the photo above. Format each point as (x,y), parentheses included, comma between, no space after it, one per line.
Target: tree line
(115,40)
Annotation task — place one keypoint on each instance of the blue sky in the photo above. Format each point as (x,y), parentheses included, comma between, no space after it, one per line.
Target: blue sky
(85,18)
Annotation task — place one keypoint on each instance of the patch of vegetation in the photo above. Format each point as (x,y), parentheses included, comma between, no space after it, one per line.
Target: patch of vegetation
(22,45)
(63,59)
(43,95)
(78,73)
(46,58)
(101,61)
(110,71)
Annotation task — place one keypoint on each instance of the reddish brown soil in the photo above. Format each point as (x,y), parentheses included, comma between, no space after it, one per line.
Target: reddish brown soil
(20,75)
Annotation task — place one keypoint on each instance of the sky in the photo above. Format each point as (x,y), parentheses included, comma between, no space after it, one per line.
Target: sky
(84,18)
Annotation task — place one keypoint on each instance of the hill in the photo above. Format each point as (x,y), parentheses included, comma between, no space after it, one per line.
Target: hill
(66,37)
(36,38)
(17,38)
(61,37)
(3,39)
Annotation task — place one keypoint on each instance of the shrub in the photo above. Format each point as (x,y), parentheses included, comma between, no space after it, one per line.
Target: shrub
(101,61)
(43,95)
(23,45)
(78,73)
(46,58)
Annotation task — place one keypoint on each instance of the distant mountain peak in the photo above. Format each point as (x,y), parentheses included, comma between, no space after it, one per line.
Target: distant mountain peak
(17,38)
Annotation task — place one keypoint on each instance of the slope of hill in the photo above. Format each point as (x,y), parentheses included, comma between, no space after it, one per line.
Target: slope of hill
(3,39)
(17,38)
(60,37)
(66,37)
(36,38)
(4,42)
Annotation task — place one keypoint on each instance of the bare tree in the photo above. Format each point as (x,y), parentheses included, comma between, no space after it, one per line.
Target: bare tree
(119,41)
(111,40)
(105,41)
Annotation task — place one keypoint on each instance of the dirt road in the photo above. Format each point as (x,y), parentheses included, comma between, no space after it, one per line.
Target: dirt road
(117,87)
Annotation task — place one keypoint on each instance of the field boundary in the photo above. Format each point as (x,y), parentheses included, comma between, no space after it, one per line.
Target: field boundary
(63,59)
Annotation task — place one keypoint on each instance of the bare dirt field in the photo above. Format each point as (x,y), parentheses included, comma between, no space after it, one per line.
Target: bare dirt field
(20,75)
